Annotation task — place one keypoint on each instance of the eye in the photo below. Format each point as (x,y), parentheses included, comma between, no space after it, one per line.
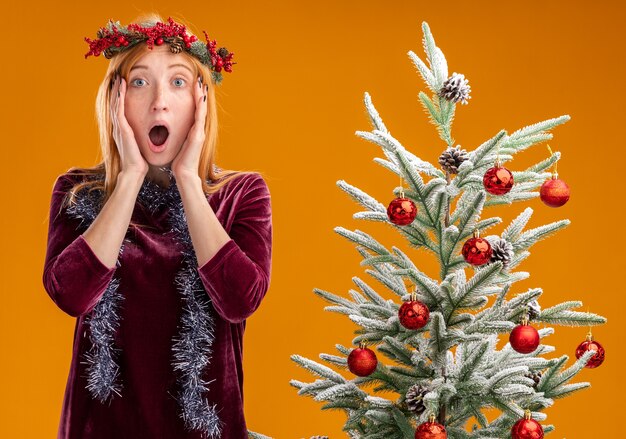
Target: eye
(134,82)
(179,82)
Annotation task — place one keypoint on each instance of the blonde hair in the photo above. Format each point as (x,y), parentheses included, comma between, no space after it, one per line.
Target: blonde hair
(110,166)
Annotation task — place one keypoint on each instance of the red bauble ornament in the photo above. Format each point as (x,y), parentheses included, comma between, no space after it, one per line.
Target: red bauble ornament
(498,180)
(527,428)
(362,361)
(413,314)
(159,41)
(431,430)
(524,338)
(476,250)
(591,345)
(401,211)
(554,192)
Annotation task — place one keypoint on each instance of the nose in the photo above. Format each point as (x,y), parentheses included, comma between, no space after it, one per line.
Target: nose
(159,101)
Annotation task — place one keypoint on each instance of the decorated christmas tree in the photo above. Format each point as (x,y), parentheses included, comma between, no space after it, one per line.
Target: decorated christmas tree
(443,368)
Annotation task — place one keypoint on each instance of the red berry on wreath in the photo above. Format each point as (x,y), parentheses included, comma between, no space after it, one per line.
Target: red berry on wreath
(476,250)
(413,314)
(159,41)
(401,211)
(554,192)
(431,430)
(591,345)
(362,361)
(498,180)
(524,338)
(527,428)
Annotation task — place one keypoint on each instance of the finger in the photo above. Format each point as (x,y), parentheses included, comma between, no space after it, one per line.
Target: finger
(204,107)
(118,98)
(197,96)
(118,115)
(113,106)
(121,115)
(112,95)
(201,109)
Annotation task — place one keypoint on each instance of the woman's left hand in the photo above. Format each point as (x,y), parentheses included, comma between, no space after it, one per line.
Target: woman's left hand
(187,160)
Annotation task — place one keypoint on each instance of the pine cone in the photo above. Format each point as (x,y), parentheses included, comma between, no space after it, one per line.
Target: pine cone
(133,35)
(414,398)
(502,251)
(108,53)
(455,89)
(222,52)
(533,309)
(451,159)
(535,376)
(177,44)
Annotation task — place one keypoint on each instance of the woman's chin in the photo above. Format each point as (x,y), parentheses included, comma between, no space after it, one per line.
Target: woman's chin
(164,158)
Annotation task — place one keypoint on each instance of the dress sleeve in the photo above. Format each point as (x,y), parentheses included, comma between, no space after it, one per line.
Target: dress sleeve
(238,275)
(73,276)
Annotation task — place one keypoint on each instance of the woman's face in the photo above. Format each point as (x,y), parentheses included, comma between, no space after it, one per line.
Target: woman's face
(160,93)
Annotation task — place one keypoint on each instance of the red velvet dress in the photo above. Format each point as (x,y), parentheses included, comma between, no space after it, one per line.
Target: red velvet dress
(236,280)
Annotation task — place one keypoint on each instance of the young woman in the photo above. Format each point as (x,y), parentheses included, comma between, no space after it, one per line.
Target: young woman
(159,254)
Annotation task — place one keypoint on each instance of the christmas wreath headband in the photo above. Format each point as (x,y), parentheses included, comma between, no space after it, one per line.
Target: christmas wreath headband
(115,38)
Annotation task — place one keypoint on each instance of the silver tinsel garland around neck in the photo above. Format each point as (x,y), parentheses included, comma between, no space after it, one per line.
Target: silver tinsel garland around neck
(192,346)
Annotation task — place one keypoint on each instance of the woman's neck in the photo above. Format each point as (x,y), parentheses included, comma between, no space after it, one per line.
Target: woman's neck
(159,175)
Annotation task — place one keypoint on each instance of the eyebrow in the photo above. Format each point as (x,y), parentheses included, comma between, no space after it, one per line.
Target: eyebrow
(141,66)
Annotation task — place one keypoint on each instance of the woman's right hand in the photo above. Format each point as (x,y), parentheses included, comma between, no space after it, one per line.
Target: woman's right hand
(130,155)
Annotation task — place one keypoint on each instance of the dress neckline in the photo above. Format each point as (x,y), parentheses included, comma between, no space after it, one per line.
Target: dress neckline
(154,197)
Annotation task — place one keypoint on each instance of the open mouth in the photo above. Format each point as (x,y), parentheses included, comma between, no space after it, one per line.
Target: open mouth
(158,135)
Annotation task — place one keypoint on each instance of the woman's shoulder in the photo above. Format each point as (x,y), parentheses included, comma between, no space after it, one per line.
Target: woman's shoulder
(250,178)
(253,185)
(243,188)
(238,181)
(70,193)
(76,175)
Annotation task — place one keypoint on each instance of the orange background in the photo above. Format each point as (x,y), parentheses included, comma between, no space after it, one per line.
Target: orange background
(290,110)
